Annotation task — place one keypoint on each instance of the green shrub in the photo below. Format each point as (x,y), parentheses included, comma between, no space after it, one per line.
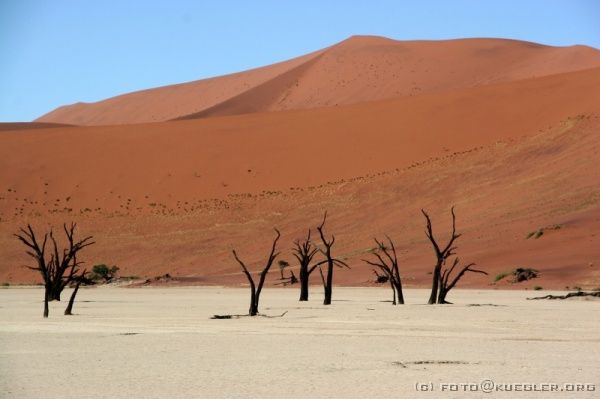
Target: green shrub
(500,276)
(538,288)
(103,272)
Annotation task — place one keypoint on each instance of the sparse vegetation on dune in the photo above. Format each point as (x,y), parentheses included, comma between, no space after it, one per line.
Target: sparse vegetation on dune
(540,232)
(519,274)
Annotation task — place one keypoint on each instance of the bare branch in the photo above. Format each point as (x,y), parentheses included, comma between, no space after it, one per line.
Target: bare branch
(429,233)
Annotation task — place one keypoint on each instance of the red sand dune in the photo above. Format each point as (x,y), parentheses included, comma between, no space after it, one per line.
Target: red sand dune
(514,155)
(362,68)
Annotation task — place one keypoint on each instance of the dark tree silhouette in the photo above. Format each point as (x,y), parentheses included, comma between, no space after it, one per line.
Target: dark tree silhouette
(446,286)
(283,264)
(441,253)
(256,289)
(388,264)
(329,260)
(78,281)
(62,267)
(304,251)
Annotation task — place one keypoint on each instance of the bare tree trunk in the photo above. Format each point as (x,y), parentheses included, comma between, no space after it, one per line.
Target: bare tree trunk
(435,284)
(46,310)
(253,310)
(330,260)
(399,294)
(329,282)
(441,299)
(304,284)
(69,309)
(324,287)
(54,292)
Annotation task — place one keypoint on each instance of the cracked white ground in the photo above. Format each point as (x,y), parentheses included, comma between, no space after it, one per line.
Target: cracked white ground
(161,343)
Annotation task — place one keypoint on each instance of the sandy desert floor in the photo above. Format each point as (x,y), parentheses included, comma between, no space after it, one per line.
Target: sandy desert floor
(157,342)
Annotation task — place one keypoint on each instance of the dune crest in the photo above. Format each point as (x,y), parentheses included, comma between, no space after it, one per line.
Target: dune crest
(358,69)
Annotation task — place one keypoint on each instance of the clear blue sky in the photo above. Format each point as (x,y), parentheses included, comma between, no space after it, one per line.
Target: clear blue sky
(56,52)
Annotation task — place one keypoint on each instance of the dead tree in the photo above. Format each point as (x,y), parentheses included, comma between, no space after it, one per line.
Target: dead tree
(330,261)
(388,264)
(62,267)
(256,289)
(446,286)
(441,253)
(304,251)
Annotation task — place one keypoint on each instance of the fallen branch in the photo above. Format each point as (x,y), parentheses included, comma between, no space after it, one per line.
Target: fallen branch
(569,295)
(237,316)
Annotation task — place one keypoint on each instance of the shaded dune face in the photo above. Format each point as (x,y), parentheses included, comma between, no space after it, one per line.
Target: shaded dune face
(359,69)
(505,130)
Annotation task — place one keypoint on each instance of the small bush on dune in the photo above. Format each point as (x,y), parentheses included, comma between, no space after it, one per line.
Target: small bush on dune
(103,272)
(540,232)
(524,274)
(519,274)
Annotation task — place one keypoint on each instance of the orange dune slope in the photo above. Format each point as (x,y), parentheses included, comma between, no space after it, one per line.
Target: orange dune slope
(177,196)
(503,192)
(359,69)
(218,156)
